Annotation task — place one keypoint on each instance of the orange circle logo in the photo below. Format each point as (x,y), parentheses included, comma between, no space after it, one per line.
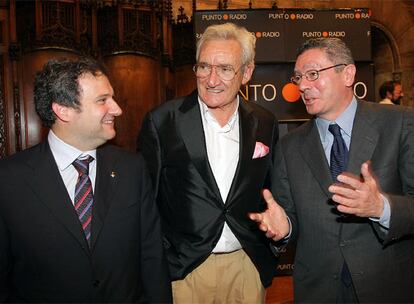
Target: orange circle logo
(292,16)
(290,92)
(258,34)
(325,34)
(357,16)
(226,17)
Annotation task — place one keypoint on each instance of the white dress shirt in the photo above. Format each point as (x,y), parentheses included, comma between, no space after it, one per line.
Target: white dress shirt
(65,155)
(387,101)
(223,155)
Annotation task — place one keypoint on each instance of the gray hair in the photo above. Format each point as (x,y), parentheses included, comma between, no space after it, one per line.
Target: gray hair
(230,31)
(335,49)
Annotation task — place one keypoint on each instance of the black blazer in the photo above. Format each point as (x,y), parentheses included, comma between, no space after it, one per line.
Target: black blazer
(381,264)
(44,256)
(192,211)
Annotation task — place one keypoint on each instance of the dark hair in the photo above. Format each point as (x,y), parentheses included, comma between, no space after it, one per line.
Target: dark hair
(387,86)
(335,49)
(58,82)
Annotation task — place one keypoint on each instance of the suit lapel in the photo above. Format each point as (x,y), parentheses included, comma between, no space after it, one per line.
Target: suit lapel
(191,129)
(363,140)
(105,185)
(248,129)
(47,183)
(314,155)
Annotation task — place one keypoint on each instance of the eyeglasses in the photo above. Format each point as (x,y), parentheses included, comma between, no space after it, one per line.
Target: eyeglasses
(224,72)
(312,75)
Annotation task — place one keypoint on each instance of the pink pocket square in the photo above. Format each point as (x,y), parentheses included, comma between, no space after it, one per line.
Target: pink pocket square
(260,150)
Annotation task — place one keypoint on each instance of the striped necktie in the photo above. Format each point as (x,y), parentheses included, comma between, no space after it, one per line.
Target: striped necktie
(84,195)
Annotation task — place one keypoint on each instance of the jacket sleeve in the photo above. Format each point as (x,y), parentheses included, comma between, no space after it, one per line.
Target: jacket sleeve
(402,206)
(148,145)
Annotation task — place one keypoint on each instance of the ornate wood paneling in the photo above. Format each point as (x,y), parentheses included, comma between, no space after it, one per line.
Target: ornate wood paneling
(55,24)
(128,28)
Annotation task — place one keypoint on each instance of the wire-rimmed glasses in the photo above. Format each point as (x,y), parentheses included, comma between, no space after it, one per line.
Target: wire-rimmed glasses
(312,75)
(224,72)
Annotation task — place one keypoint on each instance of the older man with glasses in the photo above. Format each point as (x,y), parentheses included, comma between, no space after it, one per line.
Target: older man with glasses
(346,182)
(210,154)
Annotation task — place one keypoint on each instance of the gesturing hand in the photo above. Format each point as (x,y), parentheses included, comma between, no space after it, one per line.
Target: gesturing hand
(360,196)
(273,220)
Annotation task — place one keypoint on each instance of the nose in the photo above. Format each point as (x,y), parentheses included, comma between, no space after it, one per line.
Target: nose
(114,108)
(304,84)
(213,79)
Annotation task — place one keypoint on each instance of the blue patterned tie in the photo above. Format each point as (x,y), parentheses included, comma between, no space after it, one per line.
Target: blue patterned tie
(339,162)
(84,195)
(339,152)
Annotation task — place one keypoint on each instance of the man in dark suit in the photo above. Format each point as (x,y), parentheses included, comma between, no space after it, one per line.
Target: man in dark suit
(210,154)
(355,230)
(78,222)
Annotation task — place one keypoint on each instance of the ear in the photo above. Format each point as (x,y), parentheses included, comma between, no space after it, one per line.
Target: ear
(247,73)
(62,112)
(349,74)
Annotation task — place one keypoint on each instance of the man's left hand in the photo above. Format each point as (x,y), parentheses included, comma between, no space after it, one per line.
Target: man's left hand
(360,196)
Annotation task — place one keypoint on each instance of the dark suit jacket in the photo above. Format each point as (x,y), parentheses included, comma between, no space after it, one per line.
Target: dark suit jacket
(192,210)
(44,256)
(381,263)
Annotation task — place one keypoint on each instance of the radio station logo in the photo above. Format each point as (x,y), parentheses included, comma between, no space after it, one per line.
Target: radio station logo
(324,34)
(299,16)
(223,17)
(268,92)
(290,92)
(353,15)
(267,34)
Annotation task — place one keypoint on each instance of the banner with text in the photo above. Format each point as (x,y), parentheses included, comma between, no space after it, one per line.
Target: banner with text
(280,32)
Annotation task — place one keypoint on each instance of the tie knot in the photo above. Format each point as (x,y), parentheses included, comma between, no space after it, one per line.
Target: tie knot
(335,130)
(82,165)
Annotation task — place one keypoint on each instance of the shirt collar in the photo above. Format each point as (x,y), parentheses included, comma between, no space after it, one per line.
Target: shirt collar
(64,153)
(345,121)
(209,118)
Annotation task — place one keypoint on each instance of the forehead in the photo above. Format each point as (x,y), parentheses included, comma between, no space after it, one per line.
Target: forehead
(312,59)
(91,86)
(220,51)
(90,80)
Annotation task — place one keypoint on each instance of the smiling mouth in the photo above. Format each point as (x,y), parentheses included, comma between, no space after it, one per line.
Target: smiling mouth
(108,121)
(214,90)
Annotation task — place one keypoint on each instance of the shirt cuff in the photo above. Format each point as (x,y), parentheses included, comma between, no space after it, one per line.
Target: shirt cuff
(384,220)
